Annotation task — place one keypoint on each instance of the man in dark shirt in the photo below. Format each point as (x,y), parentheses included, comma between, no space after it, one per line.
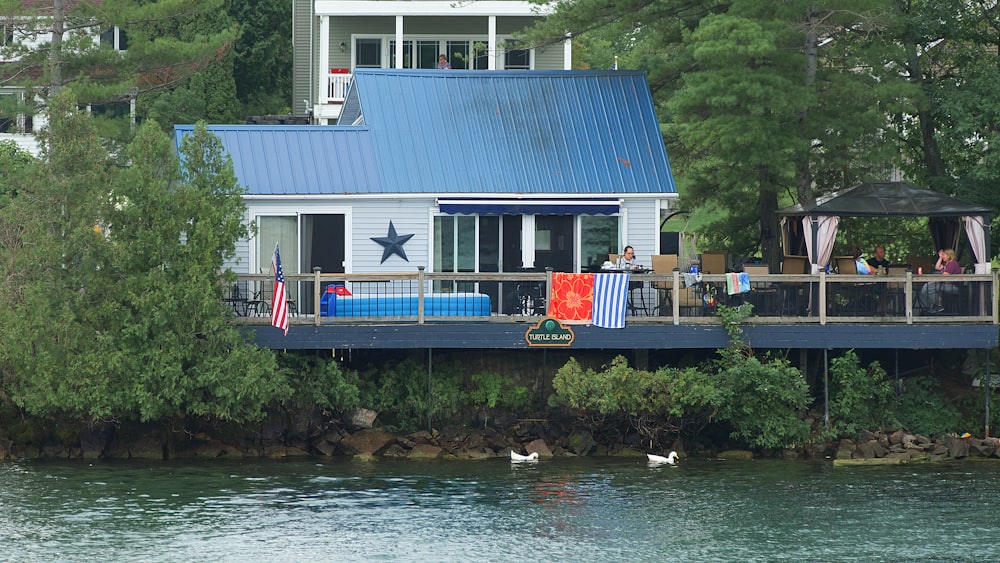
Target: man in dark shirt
(879,259)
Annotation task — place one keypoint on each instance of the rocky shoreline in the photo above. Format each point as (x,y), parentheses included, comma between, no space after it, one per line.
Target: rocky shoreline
(549,438)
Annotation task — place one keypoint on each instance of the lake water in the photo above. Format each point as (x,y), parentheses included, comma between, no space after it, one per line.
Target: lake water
(589,509)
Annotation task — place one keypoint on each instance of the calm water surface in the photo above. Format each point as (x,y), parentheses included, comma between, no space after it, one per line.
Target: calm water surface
(594,509)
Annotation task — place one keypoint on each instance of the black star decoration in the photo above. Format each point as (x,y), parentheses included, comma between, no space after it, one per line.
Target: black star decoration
(392,244)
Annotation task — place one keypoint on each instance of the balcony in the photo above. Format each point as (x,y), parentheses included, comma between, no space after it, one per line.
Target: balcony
(493,310)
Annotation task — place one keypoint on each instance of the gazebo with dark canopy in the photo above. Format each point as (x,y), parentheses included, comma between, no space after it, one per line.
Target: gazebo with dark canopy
(891,199)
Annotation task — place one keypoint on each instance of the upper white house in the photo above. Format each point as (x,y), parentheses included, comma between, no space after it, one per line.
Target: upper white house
(331,38)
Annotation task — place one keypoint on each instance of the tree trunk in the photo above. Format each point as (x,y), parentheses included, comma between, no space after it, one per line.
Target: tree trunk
(770,247)
(55,51)
(930,151)
(803,171)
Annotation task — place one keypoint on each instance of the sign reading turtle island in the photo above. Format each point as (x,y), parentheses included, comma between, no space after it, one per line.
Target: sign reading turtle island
(549,332)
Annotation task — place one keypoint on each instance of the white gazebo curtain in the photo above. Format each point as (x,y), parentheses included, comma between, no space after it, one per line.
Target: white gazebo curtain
(975,229)
(826,234)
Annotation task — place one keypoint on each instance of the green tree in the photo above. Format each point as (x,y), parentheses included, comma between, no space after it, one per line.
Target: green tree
(113,290)
(263,62)
(166,44)
(860,398)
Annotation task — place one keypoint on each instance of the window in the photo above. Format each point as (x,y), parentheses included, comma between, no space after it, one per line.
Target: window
(282,231)
(6,34)
(407,54)
(458,54)
(598,238)
(427,54)
(115,38)
(368,53)
(516,59)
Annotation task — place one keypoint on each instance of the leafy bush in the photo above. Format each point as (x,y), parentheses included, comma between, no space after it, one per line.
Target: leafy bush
(321,382)
(493,390)
(859,397)
(923,408)
(762,400)
(401,390)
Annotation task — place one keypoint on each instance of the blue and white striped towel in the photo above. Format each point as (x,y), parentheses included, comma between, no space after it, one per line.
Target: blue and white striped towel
(610,300)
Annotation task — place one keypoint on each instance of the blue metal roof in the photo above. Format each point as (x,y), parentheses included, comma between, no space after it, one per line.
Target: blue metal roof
(298,159)
(508,132)
(573,133)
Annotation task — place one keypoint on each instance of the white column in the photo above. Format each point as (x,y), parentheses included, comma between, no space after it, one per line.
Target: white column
(399,42)
(527,241)
(568,52)
(492,43)
(323,77)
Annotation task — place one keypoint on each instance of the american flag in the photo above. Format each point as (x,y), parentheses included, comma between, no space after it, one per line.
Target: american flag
(279,305)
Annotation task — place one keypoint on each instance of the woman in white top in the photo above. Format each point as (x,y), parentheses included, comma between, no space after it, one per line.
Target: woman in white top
(627,260)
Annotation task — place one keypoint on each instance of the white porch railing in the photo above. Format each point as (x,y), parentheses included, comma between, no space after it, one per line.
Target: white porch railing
(336,86)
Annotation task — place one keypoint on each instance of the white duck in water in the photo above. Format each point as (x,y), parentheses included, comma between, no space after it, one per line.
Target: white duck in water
(514,456)
(671,458)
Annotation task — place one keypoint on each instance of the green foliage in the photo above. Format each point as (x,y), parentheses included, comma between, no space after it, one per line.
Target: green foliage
(653,403)
(321,382)
(399,391)
(762,401)
(167,43)
(492,391)
(759,400)
(732,319)
(263,55)
(924,409)
(15,163)
(112,284)
(860,398)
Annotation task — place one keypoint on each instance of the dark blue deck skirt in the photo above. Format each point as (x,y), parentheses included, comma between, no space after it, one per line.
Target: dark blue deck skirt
(636,337)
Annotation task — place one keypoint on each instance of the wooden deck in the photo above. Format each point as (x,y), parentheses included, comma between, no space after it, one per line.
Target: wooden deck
(789,311)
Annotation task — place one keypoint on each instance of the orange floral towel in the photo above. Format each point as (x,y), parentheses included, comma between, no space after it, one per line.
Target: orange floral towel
(572,297)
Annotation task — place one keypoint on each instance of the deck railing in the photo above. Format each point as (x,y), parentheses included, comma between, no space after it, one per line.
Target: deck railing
(424,297)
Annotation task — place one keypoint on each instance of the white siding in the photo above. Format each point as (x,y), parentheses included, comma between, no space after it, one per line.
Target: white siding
(642,228)
(371,219)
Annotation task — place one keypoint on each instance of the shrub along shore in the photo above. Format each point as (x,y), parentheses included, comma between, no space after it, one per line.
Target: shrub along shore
(355,437)
(485,404)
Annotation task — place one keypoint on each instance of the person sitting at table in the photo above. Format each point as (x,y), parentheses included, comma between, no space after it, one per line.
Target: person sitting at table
(860,264)
(930,297)
(627,260)
(878,261)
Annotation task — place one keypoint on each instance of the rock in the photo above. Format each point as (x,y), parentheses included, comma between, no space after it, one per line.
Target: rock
(955,447)
(421,437)
(872,449)
(366,442)
(395,451)
(480,453)
(735,454)
(896,437)
(146,448)
(903,456)
(425,451)
(539,446)
(360,418)
(867,461)
(980,450)
(817,451)
(95,439)
(845,450)
(580,442)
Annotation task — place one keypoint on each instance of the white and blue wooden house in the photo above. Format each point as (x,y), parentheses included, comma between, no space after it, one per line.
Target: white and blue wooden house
(458,172)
